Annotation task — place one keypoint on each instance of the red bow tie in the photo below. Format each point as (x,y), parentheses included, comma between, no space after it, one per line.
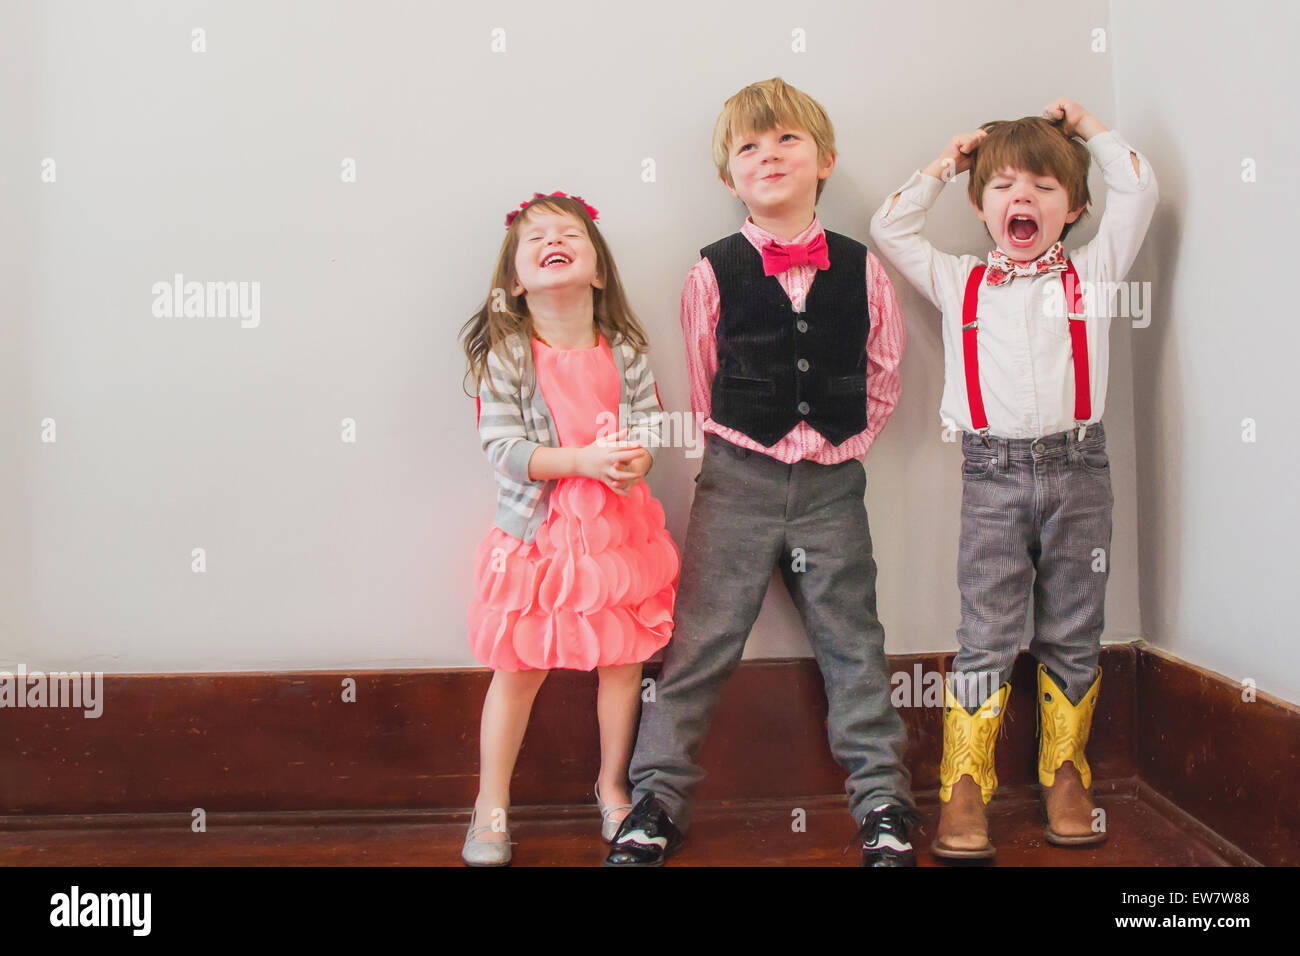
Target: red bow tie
(778,257)
(1002,268)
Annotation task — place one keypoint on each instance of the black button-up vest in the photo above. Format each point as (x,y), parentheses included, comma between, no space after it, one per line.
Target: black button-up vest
(778,367)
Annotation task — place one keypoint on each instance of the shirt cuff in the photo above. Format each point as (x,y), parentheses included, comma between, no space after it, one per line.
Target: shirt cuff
(516,463)
(920,190)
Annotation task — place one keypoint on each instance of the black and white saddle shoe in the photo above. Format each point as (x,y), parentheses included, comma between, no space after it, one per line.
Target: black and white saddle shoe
(646,837)
(884,836)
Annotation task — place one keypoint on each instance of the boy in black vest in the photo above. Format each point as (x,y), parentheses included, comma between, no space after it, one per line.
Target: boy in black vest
(793,342)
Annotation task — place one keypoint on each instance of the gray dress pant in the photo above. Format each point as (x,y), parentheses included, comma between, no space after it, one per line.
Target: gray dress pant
(750,514)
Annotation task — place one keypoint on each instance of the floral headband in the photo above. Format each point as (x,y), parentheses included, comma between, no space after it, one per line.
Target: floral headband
(591,210)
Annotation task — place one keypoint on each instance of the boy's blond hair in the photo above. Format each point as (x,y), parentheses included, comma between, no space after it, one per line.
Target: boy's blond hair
(760,107)
(1038,146)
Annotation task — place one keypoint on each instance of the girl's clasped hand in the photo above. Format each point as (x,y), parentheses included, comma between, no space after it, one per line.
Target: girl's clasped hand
(616,463)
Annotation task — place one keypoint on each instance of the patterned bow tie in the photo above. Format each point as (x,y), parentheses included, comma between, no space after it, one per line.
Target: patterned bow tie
(1002,269)
(777,257)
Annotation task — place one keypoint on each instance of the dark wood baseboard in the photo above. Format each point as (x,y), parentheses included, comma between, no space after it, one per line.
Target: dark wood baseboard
(257,741)
(1231,764)
(262,743)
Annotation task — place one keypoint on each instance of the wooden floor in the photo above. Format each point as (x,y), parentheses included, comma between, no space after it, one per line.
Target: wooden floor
(1145,830)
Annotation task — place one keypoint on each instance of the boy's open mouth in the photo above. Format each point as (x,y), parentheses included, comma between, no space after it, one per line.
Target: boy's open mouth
(1022,230)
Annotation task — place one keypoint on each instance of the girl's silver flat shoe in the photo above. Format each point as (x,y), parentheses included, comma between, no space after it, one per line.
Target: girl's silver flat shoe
(478,852)
(608,826)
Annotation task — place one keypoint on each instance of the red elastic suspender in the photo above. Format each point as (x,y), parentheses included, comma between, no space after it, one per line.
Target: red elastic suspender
(1078,346)
(969,352)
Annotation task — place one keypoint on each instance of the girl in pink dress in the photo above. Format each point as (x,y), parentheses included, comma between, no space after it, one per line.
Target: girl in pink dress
(577,570)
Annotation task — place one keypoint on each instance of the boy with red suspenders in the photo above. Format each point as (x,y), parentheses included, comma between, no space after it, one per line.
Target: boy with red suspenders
(1025,368)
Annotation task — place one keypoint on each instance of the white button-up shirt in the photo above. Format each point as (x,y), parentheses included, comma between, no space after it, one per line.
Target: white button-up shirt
(1026,370)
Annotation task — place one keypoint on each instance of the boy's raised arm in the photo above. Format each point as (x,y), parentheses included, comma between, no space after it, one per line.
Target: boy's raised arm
(896,227)
(1131,198)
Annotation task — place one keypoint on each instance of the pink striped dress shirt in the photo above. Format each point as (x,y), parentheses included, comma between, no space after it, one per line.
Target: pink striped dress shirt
(885,340)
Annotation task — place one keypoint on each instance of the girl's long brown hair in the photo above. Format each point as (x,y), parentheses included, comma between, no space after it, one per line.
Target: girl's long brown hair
(504,314)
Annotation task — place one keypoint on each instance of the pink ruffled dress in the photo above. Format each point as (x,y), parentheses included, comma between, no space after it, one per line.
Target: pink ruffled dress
(597,585)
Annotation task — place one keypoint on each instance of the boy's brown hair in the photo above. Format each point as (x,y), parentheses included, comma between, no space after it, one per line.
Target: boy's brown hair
(1038,146)
(760,107)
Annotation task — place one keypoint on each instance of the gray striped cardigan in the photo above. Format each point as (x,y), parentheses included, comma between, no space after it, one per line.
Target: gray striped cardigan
(511,430)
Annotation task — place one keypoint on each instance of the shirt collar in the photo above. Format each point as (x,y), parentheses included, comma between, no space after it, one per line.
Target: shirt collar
(760,237)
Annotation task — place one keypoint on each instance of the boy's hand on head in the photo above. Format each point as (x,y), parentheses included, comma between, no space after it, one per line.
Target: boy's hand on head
(1074,119)
(956,156)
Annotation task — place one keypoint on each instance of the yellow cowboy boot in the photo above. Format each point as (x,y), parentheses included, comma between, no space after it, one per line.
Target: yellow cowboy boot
(966,776)
(1063,770)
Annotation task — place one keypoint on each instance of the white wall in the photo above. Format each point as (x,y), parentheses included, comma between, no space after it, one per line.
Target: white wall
(182,433)
(1203,91)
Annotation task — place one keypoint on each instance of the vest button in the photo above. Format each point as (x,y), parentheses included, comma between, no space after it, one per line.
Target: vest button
(801,325)
(803,408)
(803,365)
